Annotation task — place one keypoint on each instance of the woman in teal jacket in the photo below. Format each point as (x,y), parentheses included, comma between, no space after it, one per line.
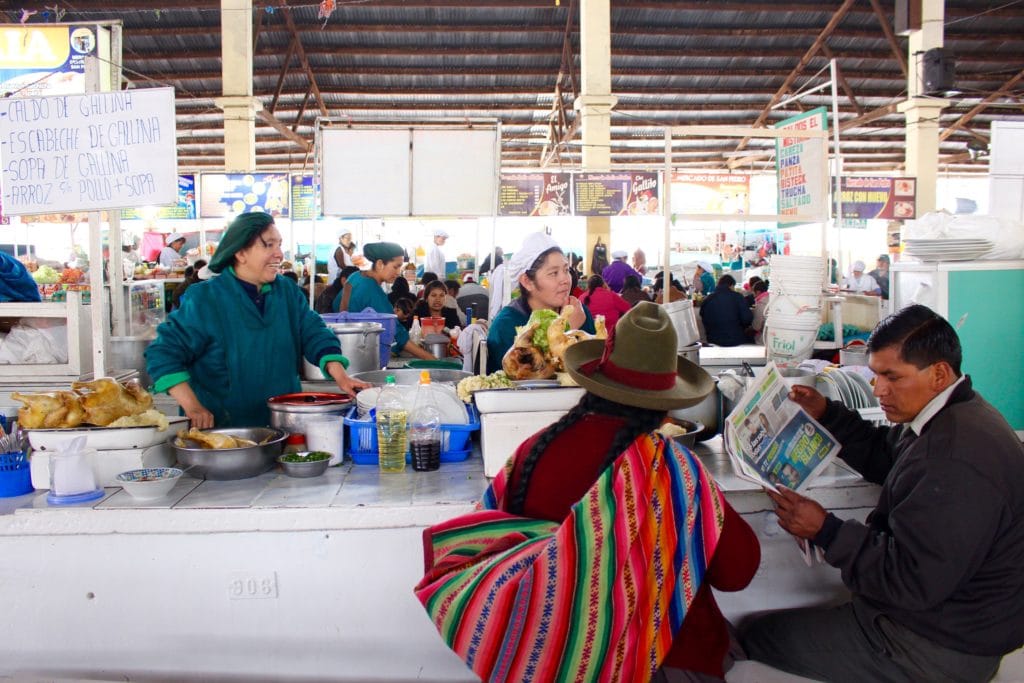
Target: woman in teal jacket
(363,290)
(239,338)
(542,273)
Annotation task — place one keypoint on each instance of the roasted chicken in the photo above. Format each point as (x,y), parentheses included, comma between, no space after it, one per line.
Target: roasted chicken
(106,400)
(559,339)
(212,440)
(99,402)
(54,410)
(526,361)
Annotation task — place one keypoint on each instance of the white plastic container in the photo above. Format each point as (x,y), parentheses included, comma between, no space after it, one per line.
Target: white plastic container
(326,433)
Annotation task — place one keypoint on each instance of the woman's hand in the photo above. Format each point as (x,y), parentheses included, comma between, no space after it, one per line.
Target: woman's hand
(578,316)
(195,411)
(809,399)
(347,384)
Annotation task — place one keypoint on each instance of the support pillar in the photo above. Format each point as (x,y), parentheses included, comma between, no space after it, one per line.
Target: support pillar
(922,113)
(595,106)
(238,104)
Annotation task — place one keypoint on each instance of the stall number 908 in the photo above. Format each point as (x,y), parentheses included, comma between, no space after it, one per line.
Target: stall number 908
(252,586)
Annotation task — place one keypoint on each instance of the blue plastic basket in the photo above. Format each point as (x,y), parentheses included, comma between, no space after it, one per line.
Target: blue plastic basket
(388,320)
(362,439)
(15,476)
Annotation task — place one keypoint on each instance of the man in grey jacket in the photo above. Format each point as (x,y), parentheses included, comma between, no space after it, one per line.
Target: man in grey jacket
(937,570)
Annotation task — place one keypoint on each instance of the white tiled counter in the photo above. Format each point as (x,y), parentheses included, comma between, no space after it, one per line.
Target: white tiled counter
(274,578)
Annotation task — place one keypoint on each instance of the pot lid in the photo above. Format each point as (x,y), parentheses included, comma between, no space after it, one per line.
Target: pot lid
(310,398)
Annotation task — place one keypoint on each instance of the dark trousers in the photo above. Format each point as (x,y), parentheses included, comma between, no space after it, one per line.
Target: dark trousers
(855,643)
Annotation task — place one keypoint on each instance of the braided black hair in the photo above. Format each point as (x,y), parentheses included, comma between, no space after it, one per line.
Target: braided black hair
(638,421)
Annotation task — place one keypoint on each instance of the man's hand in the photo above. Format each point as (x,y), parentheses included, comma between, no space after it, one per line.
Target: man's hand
(800,516)
(809,399)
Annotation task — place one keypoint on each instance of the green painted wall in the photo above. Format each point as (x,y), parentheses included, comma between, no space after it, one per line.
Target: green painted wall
(992,336)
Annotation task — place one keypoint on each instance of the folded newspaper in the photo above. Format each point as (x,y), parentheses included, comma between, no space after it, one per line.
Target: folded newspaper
(772,441)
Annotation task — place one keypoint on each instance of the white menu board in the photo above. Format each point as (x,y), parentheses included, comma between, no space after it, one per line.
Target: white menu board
(409,171)
(108,150)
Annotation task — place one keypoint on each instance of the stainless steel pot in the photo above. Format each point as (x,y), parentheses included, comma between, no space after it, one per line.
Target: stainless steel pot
(707,413)
(437,344)
(360,344)
(691,353)
(232,463)
(291,411)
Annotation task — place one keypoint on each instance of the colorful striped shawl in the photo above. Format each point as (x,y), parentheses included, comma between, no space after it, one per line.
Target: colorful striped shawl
(598,597)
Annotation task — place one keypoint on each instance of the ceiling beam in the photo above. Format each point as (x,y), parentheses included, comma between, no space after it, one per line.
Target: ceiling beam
(1002,92)
(890,37)
(302,55)
(272,121)
(285,64)
(842,79)
(818,42)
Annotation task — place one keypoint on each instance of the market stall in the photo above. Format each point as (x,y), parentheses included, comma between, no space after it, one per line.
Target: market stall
(328,562)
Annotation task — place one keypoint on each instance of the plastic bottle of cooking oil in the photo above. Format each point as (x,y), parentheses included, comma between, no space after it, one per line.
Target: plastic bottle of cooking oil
(391,428)
(425,428)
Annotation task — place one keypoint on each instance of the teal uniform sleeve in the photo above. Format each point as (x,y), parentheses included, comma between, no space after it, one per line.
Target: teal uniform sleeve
(588,324)
(180,340)
(401,336)
(500,336)
(315,338)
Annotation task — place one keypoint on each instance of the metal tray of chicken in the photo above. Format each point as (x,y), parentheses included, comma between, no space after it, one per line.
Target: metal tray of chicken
(105,438)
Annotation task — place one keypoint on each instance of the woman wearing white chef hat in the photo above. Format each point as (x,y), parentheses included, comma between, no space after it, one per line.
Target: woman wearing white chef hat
(859,282)
(541,271)
(172,252)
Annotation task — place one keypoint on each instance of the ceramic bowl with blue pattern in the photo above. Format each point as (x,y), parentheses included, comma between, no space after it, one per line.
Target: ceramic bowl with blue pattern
(149,483)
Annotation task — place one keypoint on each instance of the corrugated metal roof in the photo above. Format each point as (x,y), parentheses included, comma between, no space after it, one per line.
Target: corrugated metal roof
(673,63)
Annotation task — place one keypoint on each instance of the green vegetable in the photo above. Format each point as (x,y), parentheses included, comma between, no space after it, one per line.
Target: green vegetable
(312,456)
(46,275)
(543,318)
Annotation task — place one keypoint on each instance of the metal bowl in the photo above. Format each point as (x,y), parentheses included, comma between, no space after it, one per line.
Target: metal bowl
(688,439)
(233,463)
(310,468)
(409,376)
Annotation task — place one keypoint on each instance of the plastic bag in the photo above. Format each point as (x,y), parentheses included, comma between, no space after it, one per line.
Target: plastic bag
(35,341)
(1007,236)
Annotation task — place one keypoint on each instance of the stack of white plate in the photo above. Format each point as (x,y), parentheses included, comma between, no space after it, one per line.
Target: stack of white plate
(794,307)
(948,249)
(852,388)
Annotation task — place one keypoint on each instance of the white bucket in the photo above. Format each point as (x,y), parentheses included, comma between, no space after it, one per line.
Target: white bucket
(681,314)
(809,320)
(326,433)
(795,304)
(789,346)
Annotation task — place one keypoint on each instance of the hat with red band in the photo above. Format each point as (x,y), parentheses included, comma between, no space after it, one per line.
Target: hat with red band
(638,365)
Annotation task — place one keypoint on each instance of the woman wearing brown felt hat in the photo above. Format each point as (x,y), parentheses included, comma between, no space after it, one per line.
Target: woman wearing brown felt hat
(618,496)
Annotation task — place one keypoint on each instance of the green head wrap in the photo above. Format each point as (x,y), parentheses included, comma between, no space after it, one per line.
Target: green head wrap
(383,251)
(237,236)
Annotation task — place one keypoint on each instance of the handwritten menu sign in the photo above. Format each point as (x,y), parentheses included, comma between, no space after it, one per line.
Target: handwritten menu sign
(228,194)
(615,194)
(534,194)
(88,152)
(185,209)
(884,198)
(799,163)
(304,199)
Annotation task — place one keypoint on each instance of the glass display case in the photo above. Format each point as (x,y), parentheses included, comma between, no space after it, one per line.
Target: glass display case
(144,307)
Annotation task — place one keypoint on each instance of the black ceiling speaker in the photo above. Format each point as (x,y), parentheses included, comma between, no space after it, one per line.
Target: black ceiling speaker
(937,71)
